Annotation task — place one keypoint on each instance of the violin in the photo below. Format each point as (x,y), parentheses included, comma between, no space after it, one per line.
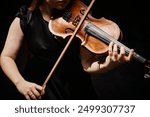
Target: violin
(95,34)
(64,26)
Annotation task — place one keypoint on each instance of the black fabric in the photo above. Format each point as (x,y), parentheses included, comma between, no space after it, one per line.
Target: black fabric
(69,81)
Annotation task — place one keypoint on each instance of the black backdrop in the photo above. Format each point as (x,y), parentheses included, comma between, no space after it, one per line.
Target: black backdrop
(125,82)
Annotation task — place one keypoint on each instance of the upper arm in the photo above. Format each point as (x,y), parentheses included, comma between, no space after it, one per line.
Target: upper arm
(13,40)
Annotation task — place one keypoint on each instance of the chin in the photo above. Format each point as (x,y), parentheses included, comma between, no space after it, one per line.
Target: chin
(61,7)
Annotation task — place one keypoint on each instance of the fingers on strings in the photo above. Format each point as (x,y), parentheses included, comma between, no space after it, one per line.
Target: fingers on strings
(117,54)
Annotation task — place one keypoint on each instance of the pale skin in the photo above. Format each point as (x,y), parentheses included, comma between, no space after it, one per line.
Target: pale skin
(14,41)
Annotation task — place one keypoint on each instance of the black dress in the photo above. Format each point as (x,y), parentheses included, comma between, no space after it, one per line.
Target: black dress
(69,81)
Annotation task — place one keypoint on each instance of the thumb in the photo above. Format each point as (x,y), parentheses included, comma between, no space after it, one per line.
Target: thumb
(43,91)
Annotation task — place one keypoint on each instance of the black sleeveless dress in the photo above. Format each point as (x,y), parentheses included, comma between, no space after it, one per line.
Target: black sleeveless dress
(69,81)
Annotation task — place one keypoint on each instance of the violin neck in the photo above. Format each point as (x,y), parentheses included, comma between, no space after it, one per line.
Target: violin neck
(105,37)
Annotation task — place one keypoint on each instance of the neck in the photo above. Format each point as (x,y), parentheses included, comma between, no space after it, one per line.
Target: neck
(46,11)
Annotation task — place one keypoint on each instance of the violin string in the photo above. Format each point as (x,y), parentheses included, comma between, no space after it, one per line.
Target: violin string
(96,31)
(102,35)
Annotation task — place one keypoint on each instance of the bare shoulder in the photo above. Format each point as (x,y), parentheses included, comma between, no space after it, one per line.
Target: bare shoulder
(15,29)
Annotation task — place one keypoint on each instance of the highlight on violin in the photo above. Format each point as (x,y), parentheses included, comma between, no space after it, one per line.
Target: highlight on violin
(68,52)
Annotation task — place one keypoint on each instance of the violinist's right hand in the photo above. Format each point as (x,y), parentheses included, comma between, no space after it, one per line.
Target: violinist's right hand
(30,90)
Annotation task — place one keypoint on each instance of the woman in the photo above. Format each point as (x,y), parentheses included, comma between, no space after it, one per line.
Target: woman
(71,79)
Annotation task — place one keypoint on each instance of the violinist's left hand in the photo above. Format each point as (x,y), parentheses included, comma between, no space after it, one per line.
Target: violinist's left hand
(116,58)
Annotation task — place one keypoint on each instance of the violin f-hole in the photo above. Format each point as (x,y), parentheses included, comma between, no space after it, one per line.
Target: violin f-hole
(69,30)
(82,11)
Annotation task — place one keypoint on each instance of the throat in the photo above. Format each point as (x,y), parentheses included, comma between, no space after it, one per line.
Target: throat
(46,14)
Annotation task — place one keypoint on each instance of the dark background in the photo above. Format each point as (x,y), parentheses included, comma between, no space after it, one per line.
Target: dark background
(126,81)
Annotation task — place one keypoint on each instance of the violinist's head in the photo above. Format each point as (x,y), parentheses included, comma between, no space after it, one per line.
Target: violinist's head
(51,4)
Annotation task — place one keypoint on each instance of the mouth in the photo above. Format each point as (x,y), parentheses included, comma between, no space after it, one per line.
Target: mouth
(62,3)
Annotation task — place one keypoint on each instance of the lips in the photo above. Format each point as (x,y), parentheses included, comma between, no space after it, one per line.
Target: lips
(62,3)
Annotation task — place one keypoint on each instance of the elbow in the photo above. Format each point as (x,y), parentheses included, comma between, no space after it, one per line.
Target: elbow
(4,60)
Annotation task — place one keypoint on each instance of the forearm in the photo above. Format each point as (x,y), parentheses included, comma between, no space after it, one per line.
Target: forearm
(10,69)
(96,67)
(28,89)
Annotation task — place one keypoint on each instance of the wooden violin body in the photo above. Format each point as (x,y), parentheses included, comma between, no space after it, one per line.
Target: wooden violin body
(64,26)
